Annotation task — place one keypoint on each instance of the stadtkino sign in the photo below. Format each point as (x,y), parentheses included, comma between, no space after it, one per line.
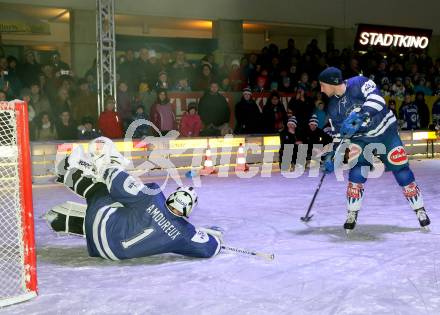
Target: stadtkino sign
(383,37)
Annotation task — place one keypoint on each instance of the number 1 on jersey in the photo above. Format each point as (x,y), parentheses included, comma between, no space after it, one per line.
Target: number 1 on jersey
(140,237)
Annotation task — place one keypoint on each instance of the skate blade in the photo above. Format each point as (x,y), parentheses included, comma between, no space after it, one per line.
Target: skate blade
(425,229)
(348,232)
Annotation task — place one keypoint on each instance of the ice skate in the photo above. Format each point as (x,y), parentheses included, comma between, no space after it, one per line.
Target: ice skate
(350,223)
(423,219)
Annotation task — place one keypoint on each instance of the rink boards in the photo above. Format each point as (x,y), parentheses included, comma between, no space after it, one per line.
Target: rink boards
(188,153)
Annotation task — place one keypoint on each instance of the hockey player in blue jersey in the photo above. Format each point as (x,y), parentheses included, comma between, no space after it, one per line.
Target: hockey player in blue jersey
(124,217)
(358,113)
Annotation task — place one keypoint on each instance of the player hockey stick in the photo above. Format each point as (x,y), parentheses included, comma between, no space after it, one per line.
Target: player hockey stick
(248,252)
(307,217)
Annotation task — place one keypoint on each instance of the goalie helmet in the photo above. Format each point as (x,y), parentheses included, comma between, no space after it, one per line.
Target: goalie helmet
(182,201)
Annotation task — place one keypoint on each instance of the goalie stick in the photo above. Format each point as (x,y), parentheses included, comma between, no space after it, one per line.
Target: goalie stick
(248,252)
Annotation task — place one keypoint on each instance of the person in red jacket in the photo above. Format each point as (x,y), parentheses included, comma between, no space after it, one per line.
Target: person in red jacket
(190,124)
(109,121)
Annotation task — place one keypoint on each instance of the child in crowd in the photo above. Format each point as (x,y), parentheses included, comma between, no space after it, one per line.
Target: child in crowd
(142,130)
(289,137)
(190,124)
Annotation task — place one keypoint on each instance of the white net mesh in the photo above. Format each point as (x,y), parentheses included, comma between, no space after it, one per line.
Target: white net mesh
(12,273)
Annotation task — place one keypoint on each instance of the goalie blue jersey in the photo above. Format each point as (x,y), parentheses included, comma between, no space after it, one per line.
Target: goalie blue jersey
(362,95)
(129,221)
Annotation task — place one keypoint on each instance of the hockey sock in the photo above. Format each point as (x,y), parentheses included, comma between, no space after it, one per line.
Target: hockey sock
(413,195)
(355,194)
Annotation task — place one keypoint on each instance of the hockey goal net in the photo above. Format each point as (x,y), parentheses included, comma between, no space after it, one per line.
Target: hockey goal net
(18,280)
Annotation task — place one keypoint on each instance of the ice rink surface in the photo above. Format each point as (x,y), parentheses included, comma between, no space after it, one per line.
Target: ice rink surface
(387,266)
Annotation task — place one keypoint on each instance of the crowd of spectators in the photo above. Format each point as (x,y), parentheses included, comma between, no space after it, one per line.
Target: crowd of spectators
(64,107)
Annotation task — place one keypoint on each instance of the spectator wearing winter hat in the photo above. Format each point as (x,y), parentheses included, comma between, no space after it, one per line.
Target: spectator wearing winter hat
(191,123)
(162,81)
(236,77)
(153,66)
(313,135)
(290,138)
(248,115)
(142,129)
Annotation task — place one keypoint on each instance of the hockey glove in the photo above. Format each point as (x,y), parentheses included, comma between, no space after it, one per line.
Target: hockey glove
(352,124)
(328,164)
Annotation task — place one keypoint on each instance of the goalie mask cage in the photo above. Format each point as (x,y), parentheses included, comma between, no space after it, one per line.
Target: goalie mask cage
(18,280)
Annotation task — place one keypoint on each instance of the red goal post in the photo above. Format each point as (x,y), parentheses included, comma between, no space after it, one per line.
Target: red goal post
(18,278)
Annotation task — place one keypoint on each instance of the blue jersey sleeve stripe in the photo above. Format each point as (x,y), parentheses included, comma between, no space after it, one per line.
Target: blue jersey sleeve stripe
(103,233)
(382,124)
(95,235)
(375,97)
(374,105)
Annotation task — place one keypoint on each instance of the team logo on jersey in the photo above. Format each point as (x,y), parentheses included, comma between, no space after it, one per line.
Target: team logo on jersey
(200,237)
(368,87)
(132,186)
(397,156)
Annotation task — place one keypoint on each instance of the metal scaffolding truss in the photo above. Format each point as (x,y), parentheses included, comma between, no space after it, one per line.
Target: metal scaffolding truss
(106,61)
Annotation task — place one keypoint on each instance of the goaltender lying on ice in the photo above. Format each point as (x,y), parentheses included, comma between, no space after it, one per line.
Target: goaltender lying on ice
(125,218)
